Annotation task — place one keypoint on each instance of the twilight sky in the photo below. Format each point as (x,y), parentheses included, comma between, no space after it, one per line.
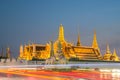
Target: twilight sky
(37,21)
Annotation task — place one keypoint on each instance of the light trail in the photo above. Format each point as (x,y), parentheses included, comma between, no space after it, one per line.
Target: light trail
(69,75)
(34,75)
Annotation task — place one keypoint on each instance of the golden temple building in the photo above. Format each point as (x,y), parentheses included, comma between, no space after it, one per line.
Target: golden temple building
(39,51)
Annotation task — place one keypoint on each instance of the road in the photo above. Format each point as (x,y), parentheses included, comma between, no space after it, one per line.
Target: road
(60,75)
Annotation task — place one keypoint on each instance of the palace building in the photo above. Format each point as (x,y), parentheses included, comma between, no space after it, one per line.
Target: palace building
(39,51)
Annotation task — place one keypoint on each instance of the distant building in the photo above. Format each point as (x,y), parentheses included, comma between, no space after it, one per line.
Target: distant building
(38,51)
(5,54)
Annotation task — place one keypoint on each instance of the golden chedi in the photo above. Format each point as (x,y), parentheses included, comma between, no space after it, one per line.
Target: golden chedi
(108,54)
(114,56)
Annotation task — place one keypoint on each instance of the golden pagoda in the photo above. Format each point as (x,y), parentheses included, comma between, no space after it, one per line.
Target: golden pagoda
(108,54)
(60,40)
(114,56)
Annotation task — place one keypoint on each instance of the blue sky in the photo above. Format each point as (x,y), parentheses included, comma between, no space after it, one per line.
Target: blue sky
(23,21)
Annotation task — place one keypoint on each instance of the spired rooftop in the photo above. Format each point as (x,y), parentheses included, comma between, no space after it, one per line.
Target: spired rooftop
(78,51)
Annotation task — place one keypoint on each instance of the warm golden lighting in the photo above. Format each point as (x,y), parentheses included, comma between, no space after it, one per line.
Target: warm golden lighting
(38,51)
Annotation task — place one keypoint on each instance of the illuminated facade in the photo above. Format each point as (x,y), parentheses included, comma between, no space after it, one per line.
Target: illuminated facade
(38,51)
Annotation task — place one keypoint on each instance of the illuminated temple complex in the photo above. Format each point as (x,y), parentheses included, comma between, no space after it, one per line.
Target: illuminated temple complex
(39,51)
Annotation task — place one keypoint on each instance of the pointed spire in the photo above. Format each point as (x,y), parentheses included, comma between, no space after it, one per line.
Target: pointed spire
(21,51)
(61,33)
(108,49)
(8,52)
(114,53)
(78,42)
(114,56)
(21,48)
(95,43)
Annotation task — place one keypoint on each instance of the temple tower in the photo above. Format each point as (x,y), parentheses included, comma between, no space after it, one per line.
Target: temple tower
(60,40)
(108,54)
(114,56)
(114,53)
(108,49)
(95,43)
(61,33)
(78,41)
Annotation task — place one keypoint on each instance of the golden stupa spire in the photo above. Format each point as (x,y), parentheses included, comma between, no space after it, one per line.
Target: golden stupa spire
(78,41)
(95,43)
(114,56)
(61,33)
(114,53)
(108,49)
